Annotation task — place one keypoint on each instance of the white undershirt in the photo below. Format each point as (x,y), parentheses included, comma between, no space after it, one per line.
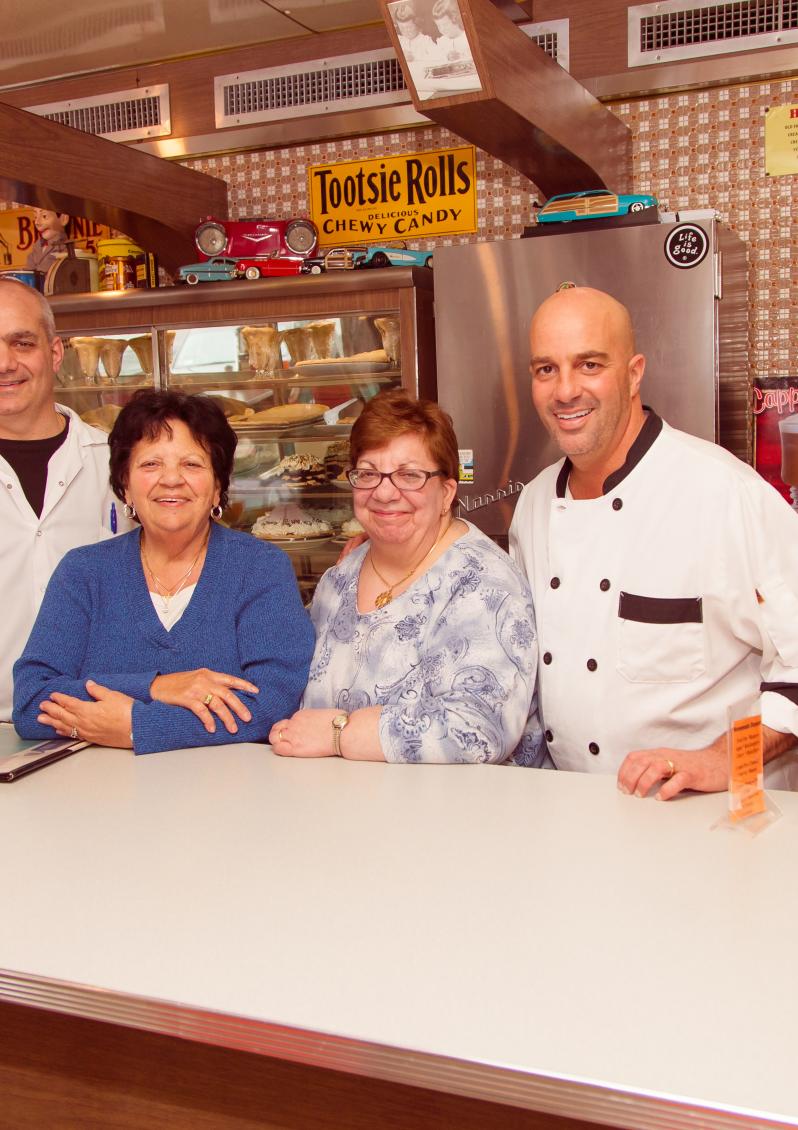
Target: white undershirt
(170,613)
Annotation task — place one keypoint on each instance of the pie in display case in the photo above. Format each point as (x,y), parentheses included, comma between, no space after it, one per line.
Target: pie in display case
(291,365)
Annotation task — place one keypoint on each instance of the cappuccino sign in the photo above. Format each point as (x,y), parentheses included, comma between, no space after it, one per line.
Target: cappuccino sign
(413,196)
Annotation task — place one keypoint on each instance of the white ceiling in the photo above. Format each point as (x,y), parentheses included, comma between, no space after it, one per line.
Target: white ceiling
(46,40)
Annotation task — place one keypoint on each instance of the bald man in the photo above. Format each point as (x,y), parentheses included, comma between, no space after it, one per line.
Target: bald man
(54,490)
(664,571)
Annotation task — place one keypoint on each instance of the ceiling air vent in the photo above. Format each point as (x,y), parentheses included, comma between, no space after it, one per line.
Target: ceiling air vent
(553,38)
(347,82)
(670,31)
(123,115)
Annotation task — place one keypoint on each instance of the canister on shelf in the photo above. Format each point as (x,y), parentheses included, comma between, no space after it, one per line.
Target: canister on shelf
(118,261)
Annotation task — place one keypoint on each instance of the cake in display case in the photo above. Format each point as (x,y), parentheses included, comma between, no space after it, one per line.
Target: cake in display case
(291,365)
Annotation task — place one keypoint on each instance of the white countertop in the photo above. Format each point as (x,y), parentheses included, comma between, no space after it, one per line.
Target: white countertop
(483,929)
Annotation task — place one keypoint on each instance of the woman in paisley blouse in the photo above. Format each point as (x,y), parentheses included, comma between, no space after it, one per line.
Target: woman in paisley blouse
(425,635)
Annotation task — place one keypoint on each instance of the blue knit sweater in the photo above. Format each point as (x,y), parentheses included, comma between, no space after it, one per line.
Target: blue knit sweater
(97,621)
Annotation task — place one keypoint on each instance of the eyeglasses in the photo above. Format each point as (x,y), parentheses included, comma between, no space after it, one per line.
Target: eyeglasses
(363,478)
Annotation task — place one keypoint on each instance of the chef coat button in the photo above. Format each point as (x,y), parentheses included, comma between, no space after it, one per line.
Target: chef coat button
(591,665)
(549,736)
(547,657)
(555,582)
(604,585)
(38,533)
(8,485)
(617,503)
(593,747)
(60,482)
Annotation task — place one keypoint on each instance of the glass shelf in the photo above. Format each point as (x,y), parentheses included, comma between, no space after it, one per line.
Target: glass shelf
(290,368)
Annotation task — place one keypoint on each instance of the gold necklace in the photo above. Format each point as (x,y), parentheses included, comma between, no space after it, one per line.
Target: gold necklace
(167,594)
(386,597)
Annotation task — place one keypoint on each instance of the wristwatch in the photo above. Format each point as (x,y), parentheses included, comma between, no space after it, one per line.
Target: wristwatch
(338,723)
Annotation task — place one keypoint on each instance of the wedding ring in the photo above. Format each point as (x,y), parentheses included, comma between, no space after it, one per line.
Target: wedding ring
(207,700)
(672,768)
(280,735)
(73,733)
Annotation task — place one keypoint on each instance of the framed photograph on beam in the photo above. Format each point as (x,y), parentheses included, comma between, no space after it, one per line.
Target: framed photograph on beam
(432,43)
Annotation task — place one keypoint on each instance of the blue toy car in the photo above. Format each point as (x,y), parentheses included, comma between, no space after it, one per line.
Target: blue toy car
(395,257)
(213,270)
(592,204)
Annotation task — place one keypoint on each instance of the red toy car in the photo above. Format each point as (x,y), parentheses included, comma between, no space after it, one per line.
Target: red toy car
(269,267)
(250,239)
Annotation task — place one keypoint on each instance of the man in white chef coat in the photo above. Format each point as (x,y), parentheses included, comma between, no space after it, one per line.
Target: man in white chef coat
(54,492)
(664,572)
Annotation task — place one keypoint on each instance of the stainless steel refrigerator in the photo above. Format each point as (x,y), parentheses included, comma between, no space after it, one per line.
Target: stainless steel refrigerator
(685,283)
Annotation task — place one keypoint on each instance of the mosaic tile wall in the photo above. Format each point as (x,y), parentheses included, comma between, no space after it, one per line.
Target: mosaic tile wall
(274,182)
(696,150)
(706,149)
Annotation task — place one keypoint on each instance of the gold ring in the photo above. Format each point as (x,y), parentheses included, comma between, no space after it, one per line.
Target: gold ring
(207,700)
(73,733)
(280,735)
(672,768)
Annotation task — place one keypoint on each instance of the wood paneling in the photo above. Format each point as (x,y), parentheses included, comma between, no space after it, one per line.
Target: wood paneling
(66,1073)
(598,42)
(530,113)
(191,80)
(153,201)
(597,33)
(598,47)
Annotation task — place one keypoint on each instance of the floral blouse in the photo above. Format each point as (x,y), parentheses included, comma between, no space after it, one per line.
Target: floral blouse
(452,660)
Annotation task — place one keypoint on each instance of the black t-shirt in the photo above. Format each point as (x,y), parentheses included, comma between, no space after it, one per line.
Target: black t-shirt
(29,459)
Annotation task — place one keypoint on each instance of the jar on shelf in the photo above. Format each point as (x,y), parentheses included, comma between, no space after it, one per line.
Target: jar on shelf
(124,265)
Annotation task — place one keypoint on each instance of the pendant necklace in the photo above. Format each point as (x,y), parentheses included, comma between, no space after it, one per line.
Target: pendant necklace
(386,597)
(161,590)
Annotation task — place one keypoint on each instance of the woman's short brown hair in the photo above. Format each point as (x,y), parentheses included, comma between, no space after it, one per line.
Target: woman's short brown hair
(393,413)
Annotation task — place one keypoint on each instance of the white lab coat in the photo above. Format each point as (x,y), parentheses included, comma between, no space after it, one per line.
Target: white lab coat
(76,511)
(683,521)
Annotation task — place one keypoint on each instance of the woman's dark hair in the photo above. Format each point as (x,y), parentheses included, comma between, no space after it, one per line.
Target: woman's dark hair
(149,413)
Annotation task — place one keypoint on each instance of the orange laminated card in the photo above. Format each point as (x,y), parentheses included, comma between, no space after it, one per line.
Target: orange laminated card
(746,792)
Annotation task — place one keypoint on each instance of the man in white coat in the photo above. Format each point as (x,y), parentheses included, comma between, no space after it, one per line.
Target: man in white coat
(54,492)
(664,572)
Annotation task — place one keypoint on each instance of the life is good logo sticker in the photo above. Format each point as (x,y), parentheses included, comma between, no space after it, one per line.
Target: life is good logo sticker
(686,246)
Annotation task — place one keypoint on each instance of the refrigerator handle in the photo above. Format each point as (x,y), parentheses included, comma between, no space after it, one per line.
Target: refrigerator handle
(718,266)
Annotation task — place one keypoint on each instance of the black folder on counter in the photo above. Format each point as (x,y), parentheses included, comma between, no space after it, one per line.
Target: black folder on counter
(18,758)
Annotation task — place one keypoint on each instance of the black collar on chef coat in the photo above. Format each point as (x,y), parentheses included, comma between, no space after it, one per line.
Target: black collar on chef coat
(645,438)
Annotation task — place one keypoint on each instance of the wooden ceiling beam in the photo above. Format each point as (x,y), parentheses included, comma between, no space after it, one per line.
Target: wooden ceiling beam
(155,202)
(529,113)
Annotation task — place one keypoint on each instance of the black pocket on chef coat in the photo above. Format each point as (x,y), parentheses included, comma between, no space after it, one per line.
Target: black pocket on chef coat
(660,639)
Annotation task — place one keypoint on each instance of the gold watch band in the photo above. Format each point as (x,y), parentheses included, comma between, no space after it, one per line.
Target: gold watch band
(338,724)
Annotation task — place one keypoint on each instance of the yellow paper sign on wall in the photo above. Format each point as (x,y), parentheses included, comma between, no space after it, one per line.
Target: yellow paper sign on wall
(781,141)
(413,196)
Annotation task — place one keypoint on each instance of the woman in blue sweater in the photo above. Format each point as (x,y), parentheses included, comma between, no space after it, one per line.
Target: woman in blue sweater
(182,633)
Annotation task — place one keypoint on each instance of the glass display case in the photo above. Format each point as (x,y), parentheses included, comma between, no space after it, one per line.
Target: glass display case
(290,363)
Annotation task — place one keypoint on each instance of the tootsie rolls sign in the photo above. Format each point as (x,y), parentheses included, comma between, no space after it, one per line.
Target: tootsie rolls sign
(414,196)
